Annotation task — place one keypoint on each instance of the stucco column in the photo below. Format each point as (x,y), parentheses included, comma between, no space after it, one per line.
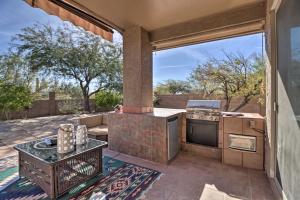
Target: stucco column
(137,71)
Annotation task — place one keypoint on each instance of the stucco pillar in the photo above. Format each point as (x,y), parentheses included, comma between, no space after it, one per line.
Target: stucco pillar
(137,71)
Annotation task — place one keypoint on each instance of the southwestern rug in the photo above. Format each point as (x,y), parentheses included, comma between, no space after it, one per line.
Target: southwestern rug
(119,181)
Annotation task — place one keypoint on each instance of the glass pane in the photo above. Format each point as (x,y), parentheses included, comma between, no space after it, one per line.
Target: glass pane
(38,150)
(288,97)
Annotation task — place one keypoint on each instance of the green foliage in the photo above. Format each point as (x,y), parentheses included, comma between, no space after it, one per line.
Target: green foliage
(233,76)
(156,99)
(14,98)
(14,70)
(70,52)
(70,106)
(107,99)
(173,87)
(73,91)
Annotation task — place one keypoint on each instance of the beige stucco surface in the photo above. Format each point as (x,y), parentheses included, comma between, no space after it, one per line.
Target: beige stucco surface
(137,71)
(154,14)
(270,59)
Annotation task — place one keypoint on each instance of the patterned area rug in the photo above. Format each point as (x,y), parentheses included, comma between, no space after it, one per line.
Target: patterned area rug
(8,171)
(119,181)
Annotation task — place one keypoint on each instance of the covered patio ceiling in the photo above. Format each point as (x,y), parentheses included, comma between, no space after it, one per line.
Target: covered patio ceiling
(155,14)
(174,23)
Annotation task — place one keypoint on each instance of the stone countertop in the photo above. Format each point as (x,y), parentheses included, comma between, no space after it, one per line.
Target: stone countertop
(244,115)
(165,112)
(158,112)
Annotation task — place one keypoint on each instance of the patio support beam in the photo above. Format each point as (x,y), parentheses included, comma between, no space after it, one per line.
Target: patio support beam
(250,18)
(137,71)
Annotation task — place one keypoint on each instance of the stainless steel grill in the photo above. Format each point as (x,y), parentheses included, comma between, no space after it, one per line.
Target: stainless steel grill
(209,110)
(203,118)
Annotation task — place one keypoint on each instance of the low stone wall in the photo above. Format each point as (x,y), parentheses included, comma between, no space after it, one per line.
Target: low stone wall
(38,108)
(180,101)
(41,108)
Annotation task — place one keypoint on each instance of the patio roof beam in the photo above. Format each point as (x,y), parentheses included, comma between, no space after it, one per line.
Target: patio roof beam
(211,35)
(247,19)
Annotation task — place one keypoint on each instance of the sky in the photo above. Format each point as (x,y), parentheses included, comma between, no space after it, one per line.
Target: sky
(178,63)
(15,15)
(175,63)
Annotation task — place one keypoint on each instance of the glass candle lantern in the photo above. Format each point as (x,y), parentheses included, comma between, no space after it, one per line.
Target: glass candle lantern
(65,138)
(81,135)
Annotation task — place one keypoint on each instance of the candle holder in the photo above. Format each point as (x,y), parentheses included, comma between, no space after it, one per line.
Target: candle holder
(81,135)
(65,138)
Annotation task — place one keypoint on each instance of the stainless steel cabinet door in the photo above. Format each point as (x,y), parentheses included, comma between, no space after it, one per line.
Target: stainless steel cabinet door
(173,138)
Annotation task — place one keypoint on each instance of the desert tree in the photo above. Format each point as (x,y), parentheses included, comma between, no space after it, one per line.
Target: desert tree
(173,87)
(235,75)
(71,53)
(14,69)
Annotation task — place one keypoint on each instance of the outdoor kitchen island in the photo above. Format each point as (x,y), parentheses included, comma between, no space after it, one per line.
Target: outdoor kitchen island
(160,135)
(153,136)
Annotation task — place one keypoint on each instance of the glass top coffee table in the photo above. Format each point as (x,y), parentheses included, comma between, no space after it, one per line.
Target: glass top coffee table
(57,173)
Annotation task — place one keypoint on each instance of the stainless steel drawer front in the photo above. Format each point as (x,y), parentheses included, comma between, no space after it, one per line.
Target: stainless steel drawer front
(241,142)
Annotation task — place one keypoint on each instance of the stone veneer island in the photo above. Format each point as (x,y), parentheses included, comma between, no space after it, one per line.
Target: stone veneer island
(143,135)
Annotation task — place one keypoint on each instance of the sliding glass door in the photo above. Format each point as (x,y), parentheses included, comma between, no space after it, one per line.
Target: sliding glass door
(288,98)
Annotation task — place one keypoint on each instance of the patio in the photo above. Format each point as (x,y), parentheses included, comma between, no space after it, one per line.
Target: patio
(139,133)
(19,131)
(187,177)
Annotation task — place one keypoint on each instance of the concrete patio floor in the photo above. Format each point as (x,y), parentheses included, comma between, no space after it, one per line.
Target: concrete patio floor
(191,177)
(188,177)
(14,132)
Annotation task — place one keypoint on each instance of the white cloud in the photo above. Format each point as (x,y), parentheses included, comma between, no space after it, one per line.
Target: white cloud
(174,66)
(194,54)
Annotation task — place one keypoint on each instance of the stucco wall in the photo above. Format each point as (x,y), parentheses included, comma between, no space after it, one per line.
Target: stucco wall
(41,108)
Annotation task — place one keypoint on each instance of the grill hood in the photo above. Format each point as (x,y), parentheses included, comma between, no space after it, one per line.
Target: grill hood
(205,104)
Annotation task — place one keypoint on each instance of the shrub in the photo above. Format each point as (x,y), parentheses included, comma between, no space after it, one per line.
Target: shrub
(70,106)
(107,99)
(14,98)
(156,99)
